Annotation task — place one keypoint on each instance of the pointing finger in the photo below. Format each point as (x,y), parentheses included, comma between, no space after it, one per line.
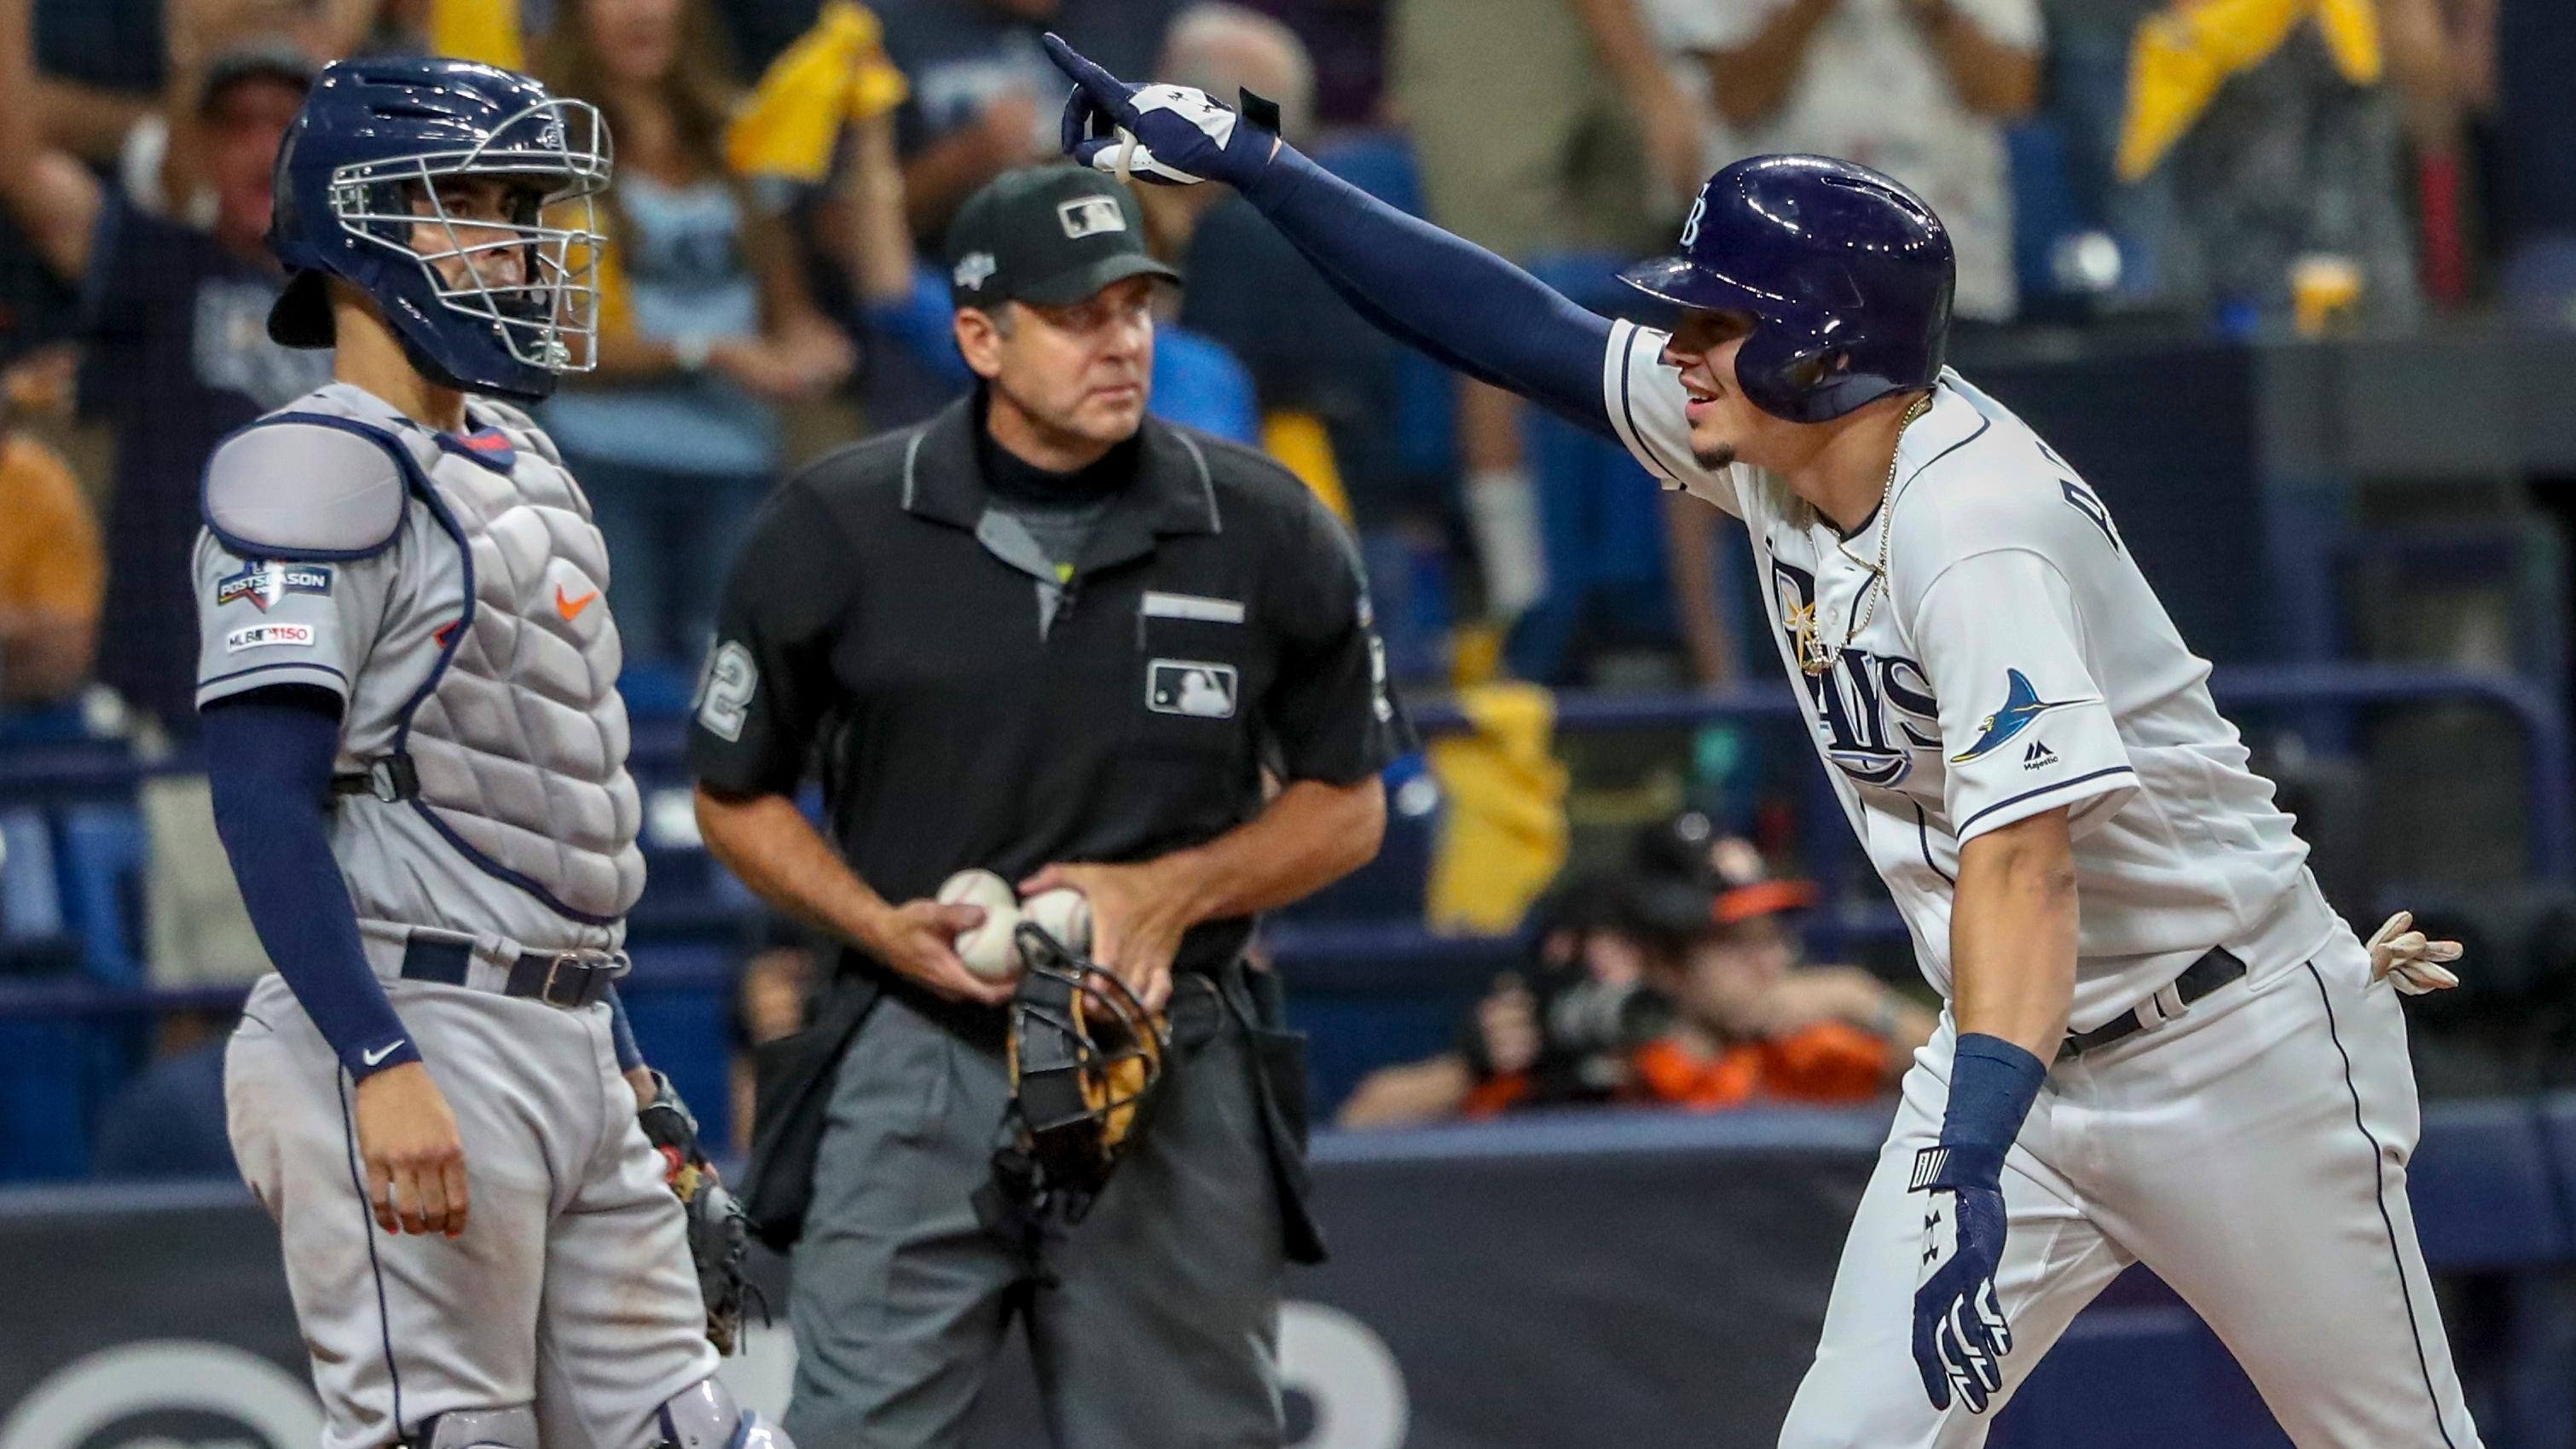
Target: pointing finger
(1099,84)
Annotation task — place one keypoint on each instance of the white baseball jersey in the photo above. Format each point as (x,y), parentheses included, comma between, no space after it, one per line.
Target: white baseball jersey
(2015,661)
(2250,1148)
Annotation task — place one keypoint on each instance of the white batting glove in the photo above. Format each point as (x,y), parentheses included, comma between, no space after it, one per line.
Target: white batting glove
(2397,951)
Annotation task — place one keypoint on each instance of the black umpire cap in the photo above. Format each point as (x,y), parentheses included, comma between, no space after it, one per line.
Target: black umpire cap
(1048,235)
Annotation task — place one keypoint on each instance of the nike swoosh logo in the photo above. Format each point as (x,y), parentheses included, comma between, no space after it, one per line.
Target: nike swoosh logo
(382,1052)
(571,608)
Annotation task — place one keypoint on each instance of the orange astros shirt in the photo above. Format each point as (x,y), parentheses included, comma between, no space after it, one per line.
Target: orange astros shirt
(1825,1063)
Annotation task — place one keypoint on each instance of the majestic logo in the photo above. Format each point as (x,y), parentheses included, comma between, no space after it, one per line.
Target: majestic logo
(2021,705)
(1191,687)
(1876,710)
(1091,216)
(974,269)
(263,584)
(269,636)
(2039,756)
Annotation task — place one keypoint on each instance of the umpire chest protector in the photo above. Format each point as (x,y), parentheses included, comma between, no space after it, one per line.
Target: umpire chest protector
(512,741)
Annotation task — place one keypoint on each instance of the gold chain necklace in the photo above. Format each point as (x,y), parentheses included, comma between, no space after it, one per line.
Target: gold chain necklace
(1814,655)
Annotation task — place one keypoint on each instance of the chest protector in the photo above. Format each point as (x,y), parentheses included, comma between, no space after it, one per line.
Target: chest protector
(515,746)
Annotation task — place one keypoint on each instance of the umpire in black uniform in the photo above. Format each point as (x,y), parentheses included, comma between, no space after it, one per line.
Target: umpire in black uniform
(1048,635)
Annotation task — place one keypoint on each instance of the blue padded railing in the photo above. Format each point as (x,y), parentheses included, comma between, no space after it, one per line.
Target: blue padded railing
(89,773)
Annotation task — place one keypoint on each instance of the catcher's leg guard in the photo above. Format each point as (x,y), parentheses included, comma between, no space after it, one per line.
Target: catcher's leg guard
(511,1428)
(706,1417)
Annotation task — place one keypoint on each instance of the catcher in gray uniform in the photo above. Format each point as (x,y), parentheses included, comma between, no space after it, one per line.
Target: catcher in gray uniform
(489,1207)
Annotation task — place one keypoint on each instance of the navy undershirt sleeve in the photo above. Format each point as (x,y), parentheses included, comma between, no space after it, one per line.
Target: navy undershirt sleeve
(621,1033)
(1463,305)
(268,756)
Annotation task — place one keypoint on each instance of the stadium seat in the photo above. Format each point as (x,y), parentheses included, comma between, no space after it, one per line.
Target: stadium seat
(679,1001)
(2482,1188)
(102,854)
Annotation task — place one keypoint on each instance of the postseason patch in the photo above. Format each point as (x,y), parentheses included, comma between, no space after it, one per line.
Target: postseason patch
(263,584)
(269,636)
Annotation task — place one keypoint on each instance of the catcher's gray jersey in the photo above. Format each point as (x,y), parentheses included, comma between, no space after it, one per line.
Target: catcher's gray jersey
(450,591)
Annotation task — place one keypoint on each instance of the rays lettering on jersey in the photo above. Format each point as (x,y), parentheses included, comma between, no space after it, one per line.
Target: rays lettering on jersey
(1869,704)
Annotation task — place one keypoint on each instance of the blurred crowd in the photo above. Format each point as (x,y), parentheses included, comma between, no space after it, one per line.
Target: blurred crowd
(1676,980)
(2236,167)
(2227,169)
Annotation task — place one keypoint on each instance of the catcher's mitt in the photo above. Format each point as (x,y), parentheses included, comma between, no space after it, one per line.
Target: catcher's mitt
(719,1235)
(1086,1062)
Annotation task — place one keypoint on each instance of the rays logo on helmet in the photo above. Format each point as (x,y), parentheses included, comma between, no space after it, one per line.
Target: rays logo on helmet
(1690,224)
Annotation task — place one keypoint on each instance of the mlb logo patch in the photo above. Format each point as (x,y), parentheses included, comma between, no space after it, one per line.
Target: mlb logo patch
(263,584)
(1191,687)
(269,636)
(1090,216)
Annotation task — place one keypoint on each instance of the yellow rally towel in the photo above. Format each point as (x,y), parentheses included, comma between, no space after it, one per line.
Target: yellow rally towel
(1503,833)
(836,73)
(1303,447)
(484,30)
(2181,55)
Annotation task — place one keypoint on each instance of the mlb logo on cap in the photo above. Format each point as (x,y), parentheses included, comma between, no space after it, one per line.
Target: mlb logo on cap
(1090,216)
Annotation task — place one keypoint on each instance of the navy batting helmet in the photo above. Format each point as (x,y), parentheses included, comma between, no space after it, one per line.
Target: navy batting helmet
(358,181)
(1846,274)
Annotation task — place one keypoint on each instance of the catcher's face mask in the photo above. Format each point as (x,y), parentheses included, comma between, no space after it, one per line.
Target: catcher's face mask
(1086,1060)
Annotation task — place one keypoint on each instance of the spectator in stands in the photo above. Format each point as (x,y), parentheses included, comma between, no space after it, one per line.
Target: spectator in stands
(51,575)
(984,99)
(1348,40)
(2231,156)
(1920,89)
(1588,965)
(178,354)
(1527,115)
(706,325)
(1311,357)
(1749,1024)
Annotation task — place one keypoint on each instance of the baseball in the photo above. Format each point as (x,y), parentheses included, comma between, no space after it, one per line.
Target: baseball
(987,949)
(1065,914)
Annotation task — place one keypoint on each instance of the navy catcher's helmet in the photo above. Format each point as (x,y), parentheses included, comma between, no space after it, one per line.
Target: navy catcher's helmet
(1846,274)
(358,176)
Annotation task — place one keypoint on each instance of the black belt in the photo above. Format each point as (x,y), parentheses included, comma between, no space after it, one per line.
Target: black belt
(2202,977)
(569,979)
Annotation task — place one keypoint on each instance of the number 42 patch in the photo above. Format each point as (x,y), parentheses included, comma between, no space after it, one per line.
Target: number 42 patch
(725,690)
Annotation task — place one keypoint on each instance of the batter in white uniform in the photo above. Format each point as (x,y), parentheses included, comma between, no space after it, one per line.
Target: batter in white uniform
(419,767)
(2160,1045)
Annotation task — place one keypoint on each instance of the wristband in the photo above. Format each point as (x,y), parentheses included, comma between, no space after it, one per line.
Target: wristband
(1992,1086)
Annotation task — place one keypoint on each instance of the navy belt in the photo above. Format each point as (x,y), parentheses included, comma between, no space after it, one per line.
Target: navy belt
(569,979)
(2202,977)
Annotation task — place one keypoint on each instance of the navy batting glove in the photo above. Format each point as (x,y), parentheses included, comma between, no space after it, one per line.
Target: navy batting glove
(1960,1335)
(1168,135)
